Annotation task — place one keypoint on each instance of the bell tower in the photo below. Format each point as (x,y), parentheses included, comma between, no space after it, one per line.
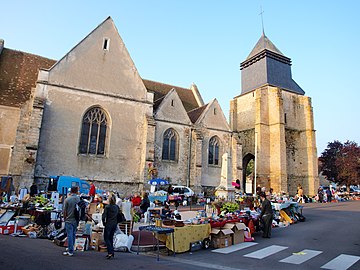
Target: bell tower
(274,122)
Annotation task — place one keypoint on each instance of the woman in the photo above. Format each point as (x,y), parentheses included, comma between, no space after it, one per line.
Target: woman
(109,219)
(145,203)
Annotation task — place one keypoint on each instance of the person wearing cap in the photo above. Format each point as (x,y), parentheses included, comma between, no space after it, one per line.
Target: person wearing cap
(266,215)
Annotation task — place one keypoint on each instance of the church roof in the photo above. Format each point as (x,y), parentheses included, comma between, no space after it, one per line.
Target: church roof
(196,113)
(264,43)
(18,75)
(161,89)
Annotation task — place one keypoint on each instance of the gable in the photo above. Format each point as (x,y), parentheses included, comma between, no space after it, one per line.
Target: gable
(171,109)
(213,117)
(161,89)
(100,63)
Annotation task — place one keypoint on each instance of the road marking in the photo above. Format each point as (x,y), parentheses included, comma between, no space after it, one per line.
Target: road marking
(301,257)
(341,262)
(234,248)
(201,264)
(262,253)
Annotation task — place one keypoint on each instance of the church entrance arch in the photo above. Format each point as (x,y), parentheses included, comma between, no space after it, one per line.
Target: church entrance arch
(248,175)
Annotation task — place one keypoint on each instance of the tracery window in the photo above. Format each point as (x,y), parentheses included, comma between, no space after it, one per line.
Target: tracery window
(213,158)
(93,132)
(170,142)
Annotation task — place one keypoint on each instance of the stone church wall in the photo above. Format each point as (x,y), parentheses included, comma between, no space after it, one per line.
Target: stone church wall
(60,135)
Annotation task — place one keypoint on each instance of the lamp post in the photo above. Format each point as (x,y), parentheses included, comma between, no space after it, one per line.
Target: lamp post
(255,162)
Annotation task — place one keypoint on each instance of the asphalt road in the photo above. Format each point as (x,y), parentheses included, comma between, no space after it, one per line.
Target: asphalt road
(328,239)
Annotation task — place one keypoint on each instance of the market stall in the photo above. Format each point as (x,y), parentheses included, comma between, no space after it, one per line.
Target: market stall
(184,236)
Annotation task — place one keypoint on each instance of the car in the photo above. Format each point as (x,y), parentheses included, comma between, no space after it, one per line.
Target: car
(182,190)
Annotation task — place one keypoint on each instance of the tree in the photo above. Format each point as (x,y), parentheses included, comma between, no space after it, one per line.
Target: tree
(327,160)
(348,164)
(340,163)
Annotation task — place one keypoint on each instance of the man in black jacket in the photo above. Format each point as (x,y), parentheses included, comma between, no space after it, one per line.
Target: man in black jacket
(266,215)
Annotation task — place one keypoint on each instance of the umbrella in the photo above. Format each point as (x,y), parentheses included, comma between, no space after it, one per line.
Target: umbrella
(158,181)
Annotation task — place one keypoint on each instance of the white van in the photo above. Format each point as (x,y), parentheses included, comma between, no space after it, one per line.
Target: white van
(183,190)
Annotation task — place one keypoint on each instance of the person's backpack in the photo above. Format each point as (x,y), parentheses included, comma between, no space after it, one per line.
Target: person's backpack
(80,211)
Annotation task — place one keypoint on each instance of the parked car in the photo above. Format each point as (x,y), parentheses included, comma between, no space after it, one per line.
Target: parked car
(183,190)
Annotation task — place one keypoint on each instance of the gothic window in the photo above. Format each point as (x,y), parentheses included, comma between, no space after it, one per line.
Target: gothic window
(170,141)
(214,151)
(93,132)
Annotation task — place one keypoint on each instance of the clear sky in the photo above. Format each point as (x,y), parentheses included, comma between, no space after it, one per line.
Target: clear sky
(204,41)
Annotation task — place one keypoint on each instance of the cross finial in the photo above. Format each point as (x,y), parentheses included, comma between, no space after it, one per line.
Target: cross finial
(262,19)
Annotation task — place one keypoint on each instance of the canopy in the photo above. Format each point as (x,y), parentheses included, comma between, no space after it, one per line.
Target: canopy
(158,181)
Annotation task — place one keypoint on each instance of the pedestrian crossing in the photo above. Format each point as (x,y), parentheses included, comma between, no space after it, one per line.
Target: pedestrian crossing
(341,262)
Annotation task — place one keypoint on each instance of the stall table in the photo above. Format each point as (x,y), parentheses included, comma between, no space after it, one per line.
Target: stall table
(158,231)
(184,236)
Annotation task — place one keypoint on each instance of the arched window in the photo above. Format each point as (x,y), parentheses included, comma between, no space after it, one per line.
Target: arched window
(214,151)
(93,132)
(169,150)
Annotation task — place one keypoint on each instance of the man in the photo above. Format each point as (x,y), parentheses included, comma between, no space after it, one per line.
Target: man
(92,191)
(266,215)
(71,222)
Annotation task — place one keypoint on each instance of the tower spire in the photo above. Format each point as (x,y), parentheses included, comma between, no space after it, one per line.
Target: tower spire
(262,20)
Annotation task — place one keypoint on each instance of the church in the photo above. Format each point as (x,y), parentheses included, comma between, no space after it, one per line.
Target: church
(91,115)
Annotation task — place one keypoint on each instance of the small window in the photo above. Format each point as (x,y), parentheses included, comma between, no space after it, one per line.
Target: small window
(106,44)
(214,111)
(172,103)
(285,118)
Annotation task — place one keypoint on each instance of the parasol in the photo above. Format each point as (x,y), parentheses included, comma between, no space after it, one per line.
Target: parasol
(158,181)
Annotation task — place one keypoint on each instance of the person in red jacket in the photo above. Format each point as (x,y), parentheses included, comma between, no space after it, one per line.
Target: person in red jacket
(136,200)
(92,190)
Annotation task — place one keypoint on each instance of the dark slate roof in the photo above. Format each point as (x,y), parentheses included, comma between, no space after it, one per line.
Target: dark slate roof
(196,113)
(262,44)
(266,65)
(161,89)
(18,75)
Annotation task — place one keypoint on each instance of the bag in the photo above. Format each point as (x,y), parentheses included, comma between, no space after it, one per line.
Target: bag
(120,217)
(80,211)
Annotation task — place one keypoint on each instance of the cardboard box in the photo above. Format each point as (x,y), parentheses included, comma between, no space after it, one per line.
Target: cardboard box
(81,243)
(97,239)
(92,208)
(221,238)
(9,229)
(238,230)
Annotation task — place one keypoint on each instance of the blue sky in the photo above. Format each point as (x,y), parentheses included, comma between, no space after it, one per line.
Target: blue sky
(180,42)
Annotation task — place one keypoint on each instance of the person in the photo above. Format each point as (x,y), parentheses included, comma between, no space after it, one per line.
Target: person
(92,191)
(266,215)
(166,212)
(109,219)
(300,194)
(136,200)
(145,203)
(328,195)
(70,219)
(33,190)
(320,195)
(170,190)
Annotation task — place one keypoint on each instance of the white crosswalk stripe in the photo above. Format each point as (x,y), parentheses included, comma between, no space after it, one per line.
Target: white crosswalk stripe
(302,256)
(265,252)
(234,248)
(341,262)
